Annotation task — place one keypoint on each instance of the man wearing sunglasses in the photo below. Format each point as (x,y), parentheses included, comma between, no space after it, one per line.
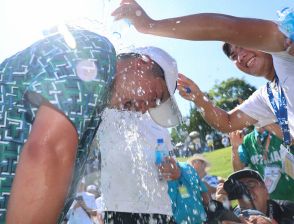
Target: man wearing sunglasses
(248,187)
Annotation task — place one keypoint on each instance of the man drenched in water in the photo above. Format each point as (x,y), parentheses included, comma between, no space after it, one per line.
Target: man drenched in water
(52,96)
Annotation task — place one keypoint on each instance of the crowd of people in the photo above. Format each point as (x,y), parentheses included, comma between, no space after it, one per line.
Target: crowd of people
(71,87)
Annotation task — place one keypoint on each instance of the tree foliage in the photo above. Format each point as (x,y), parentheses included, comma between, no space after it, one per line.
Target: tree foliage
(231,92)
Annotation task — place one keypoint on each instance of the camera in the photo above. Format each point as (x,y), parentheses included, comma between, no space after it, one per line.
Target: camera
(236,189)
(217,212)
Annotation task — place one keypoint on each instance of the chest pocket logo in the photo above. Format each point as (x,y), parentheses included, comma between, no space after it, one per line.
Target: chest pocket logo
(87,70)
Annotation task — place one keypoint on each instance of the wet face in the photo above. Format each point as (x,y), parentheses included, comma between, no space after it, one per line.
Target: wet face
(252,62)
(138,84)
(258,193)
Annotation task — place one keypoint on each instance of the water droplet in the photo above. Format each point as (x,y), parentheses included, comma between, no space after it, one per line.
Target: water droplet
(138,12)
(140,91)
(116,35)
(158,102)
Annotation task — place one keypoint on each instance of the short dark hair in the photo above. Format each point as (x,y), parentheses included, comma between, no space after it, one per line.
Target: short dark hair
(156,68)
(227,49)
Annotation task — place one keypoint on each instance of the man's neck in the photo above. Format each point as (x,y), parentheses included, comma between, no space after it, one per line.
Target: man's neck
(271,75)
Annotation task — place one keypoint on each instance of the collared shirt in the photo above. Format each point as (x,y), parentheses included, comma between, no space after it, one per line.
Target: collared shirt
(50,70)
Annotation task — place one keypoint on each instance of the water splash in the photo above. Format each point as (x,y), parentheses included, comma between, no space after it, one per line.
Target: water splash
(286,22)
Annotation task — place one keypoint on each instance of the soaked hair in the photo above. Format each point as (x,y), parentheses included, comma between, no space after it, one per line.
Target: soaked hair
(227,49)
(157,71)
(155,68)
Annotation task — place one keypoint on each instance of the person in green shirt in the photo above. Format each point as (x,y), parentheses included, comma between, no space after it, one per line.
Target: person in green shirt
(52,95)
(261,151)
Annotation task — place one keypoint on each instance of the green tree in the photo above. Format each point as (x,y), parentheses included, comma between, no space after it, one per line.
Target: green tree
(231,92)
(197,123)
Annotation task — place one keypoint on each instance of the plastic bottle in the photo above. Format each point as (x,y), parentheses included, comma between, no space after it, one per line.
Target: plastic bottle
(286,22)
(161,152)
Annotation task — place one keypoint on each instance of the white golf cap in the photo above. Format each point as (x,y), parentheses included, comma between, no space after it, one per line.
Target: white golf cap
(167,114)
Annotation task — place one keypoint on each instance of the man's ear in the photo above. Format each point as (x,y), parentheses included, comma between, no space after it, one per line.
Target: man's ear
(162,87)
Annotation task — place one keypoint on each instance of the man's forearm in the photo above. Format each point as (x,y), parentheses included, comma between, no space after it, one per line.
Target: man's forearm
(213,115)
(209,26)
(236,162)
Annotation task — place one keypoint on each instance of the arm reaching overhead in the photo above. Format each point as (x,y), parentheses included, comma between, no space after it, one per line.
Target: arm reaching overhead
(246,32)
(215,116)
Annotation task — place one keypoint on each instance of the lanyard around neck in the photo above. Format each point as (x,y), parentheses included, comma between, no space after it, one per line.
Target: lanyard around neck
(280,110)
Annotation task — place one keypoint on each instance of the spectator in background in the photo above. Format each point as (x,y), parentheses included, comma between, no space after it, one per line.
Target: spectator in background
(100,210)
(84,207)
(98,218)
(248,187)
(187,192)
(225,140)
(263,151)
(201,165)
(194,143)
(209,142)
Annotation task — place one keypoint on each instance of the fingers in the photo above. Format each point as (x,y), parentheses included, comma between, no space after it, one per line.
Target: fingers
(128,2)
(121,12)
(184,85)
(126,9)
(220,194)
(236,138)
(236,134)
(183,79)
(186,93)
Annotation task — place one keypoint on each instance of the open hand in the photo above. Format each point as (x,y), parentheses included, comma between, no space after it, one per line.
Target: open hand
(131,10)
(169,169)
(187,88)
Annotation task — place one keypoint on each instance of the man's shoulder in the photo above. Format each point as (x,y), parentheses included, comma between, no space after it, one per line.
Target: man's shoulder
(283,55)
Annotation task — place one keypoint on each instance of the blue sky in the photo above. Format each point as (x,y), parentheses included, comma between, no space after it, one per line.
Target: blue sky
(21,23)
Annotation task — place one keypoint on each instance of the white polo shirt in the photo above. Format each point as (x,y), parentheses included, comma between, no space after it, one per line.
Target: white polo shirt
(129,181)
(258,105)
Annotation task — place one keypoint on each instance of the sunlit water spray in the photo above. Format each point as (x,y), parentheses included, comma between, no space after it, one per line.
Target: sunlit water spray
(286,22)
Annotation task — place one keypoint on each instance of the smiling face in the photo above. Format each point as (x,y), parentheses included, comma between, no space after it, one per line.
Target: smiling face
(252,62)
(138,85)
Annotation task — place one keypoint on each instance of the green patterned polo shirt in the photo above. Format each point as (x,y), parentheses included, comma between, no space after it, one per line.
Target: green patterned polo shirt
(74,71)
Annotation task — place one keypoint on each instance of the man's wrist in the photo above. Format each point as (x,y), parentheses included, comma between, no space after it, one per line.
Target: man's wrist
(148,26)
(235,148)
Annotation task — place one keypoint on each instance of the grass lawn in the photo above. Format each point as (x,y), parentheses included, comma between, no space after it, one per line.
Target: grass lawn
(220,161)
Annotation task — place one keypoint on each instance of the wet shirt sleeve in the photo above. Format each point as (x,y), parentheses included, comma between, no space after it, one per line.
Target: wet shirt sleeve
(75,80)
